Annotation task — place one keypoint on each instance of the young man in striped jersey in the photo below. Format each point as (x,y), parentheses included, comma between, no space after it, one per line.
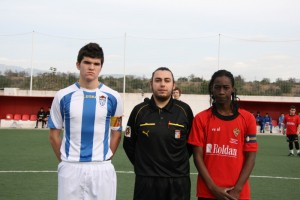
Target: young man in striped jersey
(90,115)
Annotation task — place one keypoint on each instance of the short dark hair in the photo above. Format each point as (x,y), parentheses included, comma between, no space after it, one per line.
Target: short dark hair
(177,88)
(92,50)
(292,107)
(162,69)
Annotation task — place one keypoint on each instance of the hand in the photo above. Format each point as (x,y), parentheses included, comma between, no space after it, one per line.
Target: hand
(234,193)
(222,193)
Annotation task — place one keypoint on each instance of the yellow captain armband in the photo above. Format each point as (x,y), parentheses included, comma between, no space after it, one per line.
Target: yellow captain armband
(115,122)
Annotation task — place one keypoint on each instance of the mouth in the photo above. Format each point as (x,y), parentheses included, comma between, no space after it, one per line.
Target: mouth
(162,91)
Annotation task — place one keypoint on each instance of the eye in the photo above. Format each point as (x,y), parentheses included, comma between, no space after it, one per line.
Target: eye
(217,87)
(167,80)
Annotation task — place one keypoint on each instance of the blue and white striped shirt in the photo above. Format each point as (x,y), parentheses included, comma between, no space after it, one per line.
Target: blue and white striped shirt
(85,116)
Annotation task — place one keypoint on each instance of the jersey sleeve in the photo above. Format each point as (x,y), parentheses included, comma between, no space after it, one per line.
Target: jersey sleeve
(196,136)
(116,119)
(55,119)
(250,134)
(129,140)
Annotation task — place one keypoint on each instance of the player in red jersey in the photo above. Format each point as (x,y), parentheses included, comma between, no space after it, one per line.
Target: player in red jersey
(224,143)
(292,125)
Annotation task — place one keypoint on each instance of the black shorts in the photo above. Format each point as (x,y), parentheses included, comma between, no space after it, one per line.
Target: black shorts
(292,138)
(156,188)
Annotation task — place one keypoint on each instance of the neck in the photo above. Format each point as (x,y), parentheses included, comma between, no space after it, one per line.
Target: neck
(89,85)
(224,109)
(161,103)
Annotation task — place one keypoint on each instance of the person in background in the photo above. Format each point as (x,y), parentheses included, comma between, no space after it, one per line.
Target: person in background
(91,115)
(259,121)
(46,117)
(146,99)
(40,117)
(224,143)
(176,93)
(155,142)
(281,122)
(267,120)
(292,125)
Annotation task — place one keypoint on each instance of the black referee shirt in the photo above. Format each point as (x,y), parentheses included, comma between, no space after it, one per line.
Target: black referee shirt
(155,139)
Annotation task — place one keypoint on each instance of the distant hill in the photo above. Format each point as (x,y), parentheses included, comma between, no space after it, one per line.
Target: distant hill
(14,68)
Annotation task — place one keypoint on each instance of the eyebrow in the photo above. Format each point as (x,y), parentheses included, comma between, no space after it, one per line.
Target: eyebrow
(88,62)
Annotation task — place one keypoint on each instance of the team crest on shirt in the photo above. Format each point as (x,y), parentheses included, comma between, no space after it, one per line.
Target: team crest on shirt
(102,100)
(177,134)
(128,131)
(236,132)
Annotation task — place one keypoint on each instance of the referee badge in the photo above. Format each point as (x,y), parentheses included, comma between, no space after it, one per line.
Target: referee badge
(236,132)
(177,134)
(128,131)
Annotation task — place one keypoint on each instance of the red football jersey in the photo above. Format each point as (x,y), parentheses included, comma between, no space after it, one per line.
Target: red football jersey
(224,143)
(291,123)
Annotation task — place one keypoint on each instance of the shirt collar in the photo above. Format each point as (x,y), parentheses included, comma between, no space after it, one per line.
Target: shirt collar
(168,107)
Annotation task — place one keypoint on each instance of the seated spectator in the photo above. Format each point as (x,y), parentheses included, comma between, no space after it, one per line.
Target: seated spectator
(176,93)
(40,117)
(47,114)
(280,122)
(267,120)
(259,121)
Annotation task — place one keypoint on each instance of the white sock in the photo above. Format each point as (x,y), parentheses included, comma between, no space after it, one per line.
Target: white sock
(292,151)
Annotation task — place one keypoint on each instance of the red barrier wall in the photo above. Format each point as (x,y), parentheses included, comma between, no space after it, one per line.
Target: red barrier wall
(23,104)
(31,105)
(273,108)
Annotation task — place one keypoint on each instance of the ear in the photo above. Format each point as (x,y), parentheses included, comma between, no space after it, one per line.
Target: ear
(78,65)
(150,85)
(233,91)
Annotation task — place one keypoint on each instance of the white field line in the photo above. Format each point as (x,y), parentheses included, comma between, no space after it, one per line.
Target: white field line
(131,172)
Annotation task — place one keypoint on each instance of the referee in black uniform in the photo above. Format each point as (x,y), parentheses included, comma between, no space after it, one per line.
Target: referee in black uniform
(155,142)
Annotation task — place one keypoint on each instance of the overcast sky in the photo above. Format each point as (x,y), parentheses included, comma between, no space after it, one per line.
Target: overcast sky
(252,38)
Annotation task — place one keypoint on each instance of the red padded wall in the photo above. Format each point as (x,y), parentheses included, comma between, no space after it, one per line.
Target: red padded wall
(273,108)
(23,105)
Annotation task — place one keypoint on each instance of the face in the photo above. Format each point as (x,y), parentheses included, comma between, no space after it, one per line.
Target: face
(162,85)
(292,111)
(176,94)
(89,69)
(222,90)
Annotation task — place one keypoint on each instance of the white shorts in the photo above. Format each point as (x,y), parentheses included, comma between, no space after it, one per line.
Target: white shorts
(87,181)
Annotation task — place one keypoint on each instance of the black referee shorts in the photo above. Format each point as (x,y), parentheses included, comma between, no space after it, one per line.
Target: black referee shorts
(159,188)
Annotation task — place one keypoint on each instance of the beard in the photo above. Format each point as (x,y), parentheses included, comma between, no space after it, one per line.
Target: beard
(161,98)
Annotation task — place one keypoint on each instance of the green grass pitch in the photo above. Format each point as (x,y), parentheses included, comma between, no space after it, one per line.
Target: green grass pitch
(28,168)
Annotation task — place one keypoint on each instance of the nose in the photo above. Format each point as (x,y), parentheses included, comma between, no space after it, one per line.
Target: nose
(163,83)
(92,66)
